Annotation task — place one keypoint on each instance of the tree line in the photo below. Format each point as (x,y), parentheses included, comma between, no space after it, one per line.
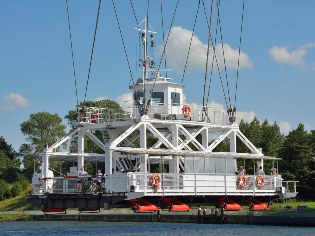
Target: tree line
(297,149)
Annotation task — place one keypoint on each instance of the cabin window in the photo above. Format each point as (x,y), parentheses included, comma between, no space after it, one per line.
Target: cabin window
(209,165)
(157,98)
(199,165)
(220,166)
(175,99)
(139,96)
(189,165)
(230,166)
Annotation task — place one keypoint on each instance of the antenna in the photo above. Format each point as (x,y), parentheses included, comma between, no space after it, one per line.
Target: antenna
(145,61)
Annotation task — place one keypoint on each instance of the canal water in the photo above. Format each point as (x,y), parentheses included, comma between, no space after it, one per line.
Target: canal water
(41,228)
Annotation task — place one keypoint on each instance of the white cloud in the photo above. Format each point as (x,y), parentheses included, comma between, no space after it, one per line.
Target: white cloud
(285,127)
(14,101)
(247,116)
(220,109)
(125,101)
(307,126)
(294,57)
(177,48)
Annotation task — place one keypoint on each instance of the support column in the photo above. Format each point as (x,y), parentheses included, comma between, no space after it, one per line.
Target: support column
(45,168)
(233,141)
(143,144)
(174,166)
(80,149)
(108,168)
(205,138)
(233,146)
(261,161)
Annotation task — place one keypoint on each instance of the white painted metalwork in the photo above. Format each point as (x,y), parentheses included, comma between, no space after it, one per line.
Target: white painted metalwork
(183,148)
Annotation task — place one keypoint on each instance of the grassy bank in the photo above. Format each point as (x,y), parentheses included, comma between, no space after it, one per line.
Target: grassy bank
(14,217)
(294,208)
(18,203)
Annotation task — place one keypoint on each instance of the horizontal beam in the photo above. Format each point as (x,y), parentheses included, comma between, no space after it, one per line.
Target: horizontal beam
(184,153)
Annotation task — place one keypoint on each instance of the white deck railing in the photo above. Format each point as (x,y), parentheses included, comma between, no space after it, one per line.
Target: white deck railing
(103,115)
(201,184)
(67,185)
(171,184)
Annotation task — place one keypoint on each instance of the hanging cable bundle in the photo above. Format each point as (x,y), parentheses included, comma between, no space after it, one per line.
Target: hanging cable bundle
(72,53)
(231,111)
(239,53)
(191,38)
(123,42)
(92,51)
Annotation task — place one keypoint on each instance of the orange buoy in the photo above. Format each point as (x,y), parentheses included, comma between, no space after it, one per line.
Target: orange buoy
(241,181)
(260,181)
(186,110)
(156,179)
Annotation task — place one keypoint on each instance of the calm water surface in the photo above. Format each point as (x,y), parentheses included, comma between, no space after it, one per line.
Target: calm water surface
(109,228)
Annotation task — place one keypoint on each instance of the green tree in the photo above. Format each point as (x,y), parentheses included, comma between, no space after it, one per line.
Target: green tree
(9,162)
(271,142)
(5,192)
(5,163)
(297,153)
(30,160)
(271,139)
(40,129)
(16,189)
(252,131)
(7,149)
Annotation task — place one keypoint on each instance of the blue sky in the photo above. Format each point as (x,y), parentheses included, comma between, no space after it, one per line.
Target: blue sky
(276,78)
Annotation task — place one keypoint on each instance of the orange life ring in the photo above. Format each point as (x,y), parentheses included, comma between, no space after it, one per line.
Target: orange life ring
(94,117)
(156,179)
(260,181)
(241,181)
(186,110)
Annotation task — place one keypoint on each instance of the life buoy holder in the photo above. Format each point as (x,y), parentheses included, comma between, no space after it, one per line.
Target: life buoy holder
(260,181)
(156,180)
(94,116)
(241,181)
(186,111)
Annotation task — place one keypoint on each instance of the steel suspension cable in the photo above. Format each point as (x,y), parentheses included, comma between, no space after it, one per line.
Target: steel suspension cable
(162,18)
(137,23)
(93,45)
(217,64)
(214,58)
(72,54)
(166,41)
(213,48)
(224,62)
(192,35)
(239,53)
(168,34)
(123,42)
(134,12)
(208,51)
